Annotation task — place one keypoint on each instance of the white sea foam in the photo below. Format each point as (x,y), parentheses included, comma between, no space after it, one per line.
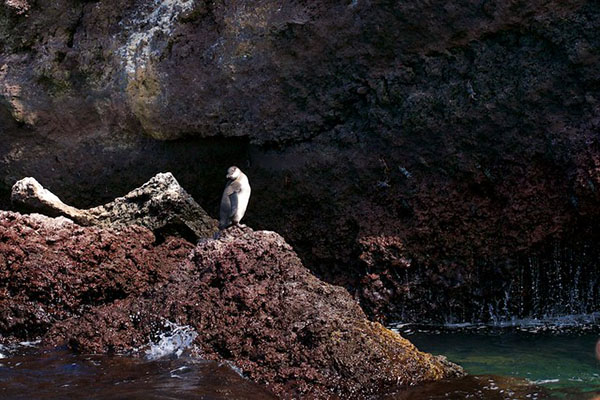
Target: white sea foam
(563,321)
(545,381)
(550,323)
(236,369)
(30,343)
(176,372)
(172,342)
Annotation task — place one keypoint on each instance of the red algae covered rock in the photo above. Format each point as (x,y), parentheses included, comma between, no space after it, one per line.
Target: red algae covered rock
(283,326)
(253,304)
(244,298)
(52,269)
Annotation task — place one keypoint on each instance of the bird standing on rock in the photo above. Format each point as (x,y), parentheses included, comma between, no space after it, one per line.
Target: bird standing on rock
(235,198)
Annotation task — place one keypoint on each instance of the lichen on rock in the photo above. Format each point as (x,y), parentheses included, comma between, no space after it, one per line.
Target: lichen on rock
(141,51)
(19,6)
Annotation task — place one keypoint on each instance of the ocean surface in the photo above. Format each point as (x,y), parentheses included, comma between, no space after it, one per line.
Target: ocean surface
(29,373)
(553,358)
(519,359)
(162,370)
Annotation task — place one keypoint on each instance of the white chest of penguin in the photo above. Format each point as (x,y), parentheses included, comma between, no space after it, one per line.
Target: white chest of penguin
(243,198)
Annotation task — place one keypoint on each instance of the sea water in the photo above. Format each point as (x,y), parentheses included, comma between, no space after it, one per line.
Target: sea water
(163,370)
(555,356)
(513,359)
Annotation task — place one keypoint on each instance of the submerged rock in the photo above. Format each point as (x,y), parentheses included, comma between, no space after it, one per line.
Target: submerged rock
(247,296)
(488,387)
(160,204)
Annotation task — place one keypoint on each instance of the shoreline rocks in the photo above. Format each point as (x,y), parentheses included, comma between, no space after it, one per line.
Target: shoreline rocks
(246,294)
(52,269)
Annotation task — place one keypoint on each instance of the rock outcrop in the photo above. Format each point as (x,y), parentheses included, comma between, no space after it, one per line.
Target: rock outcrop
(246,294)
(52,269)
(160,205)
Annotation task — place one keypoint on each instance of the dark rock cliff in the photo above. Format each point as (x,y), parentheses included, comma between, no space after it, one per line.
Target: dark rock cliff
(427,155)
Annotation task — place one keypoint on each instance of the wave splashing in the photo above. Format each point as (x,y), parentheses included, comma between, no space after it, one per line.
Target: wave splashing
(571,324)
(172,342)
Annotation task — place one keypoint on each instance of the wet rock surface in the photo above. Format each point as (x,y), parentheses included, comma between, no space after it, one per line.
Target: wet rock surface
(160,205)
(246,294)
(466,131)
(52,269)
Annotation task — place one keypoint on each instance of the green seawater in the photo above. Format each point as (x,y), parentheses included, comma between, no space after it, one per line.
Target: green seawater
(560,361)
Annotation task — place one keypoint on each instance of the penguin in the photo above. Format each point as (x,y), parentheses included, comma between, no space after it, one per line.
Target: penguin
(235,198)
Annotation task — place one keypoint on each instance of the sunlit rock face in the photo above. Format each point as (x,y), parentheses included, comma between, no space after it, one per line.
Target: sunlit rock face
(52,269)
(160,205)
(244,298)
(454,138)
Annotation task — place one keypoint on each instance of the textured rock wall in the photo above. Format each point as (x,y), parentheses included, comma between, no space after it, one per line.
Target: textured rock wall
(247,296)
(447,134)
(52,269)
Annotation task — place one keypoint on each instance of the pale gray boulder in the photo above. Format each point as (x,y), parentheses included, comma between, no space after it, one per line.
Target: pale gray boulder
(160,204)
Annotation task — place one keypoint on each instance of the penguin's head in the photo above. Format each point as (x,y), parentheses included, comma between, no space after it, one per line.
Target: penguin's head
(233,172)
